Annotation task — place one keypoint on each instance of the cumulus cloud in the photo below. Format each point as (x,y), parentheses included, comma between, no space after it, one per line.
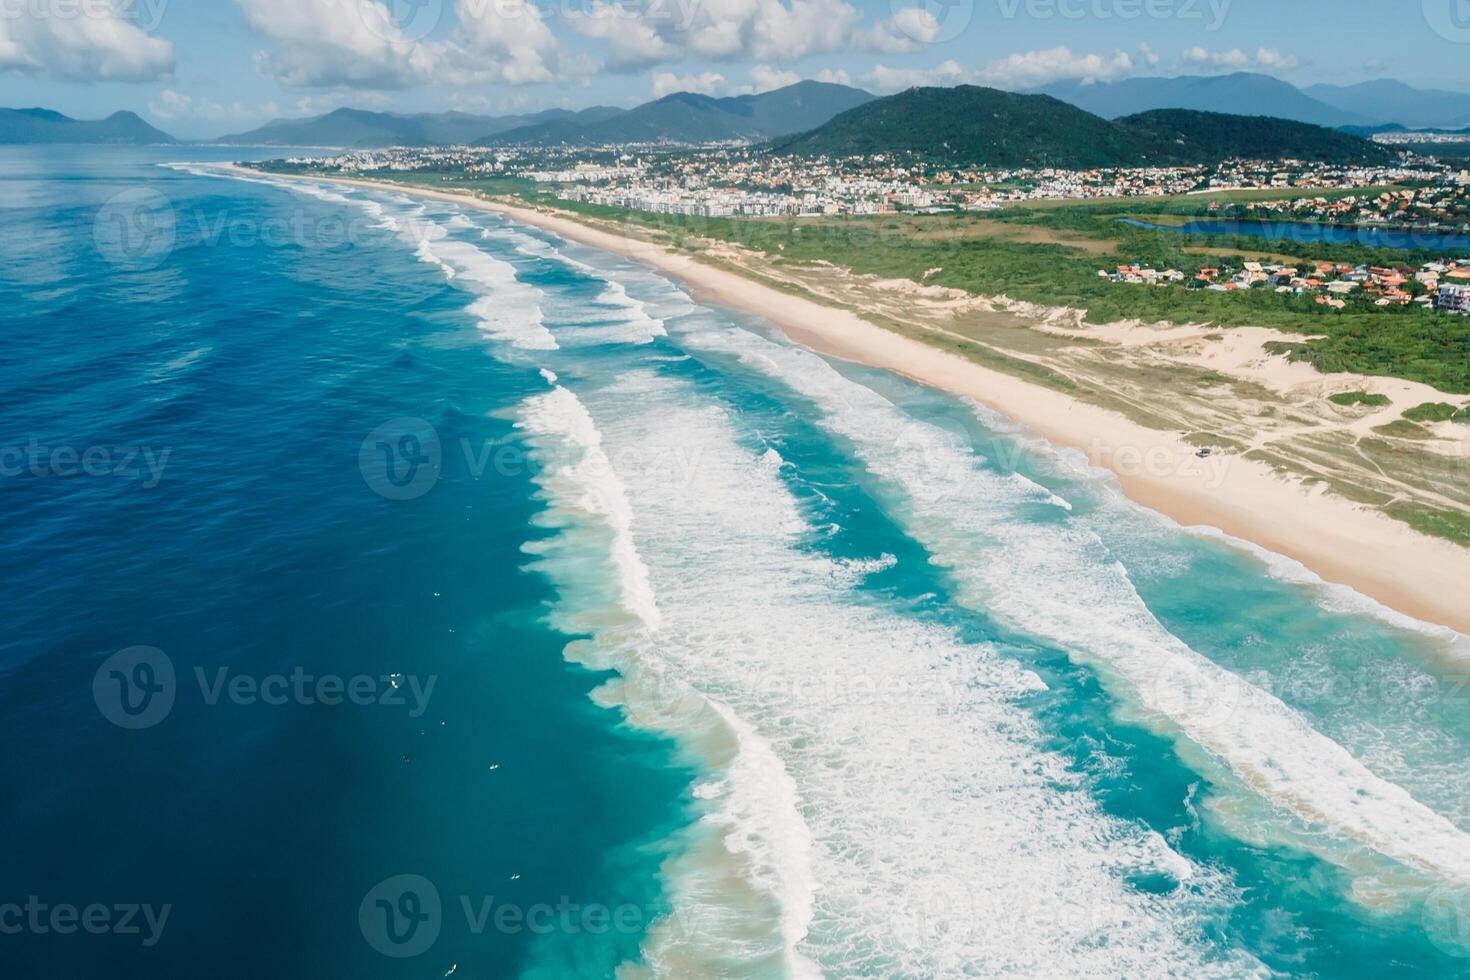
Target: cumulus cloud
(779,31)
(1033,68)
(884,79)
(760,78)
(507,41)
(81,42)
(909,29)
(708,83)
(1237,60)
(360,44)
(321,43)
(764,78)
(1019,71)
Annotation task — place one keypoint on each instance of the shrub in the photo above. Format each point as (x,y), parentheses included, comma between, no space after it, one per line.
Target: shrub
(1431,412)
(1364,398)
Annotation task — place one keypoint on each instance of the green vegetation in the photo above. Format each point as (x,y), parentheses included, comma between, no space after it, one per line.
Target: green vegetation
(1431,412)
(1055,262)
(1403,429)
(1449,524)
(1363,398)
(968,125)
(1205,137)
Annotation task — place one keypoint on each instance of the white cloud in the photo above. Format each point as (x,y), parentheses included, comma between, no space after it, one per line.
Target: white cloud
(1022,70)
(631,40)
(885,79)
(321,43)
(1033,68)
(324,102)
(170,105)
(1237,60)
(783,31)
(506,41)
(764,78)
(786,33)
(760,78)
(909,29)
(667,83)
(359,43)
(80,42)
(834,76)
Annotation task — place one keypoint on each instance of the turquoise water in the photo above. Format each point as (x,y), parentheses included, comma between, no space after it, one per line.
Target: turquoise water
(1316,233)
(783,666)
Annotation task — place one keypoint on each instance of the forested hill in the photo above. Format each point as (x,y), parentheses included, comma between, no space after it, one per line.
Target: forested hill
(969,124)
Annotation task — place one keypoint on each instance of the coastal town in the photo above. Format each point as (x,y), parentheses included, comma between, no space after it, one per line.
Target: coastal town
(728,181)
(1410,198)
(1443,285)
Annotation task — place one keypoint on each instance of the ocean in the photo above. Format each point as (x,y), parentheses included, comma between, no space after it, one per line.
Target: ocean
(393,590)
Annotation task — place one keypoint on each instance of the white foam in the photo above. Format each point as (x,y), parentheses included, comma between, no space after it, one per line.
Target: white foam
(940,837)
(1333,596)
(749,796)
(622,319)
(1056,580)
(587,485)
(507,309)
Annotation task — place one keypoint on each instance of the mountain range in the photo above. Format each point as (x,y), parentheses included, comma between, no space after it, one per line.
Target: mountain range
(969,124)
(363,129)
(688,117)
(45,126)
(1246,93)
(1391,102)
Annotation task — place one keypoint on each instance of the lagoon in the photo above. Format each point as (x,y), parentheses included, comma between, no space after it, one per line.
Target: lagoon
(1316,233)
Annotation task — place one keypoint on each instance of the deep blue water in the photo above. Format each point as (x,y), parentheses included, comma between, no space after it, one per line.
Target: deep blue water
(866,681)
(262,550)
(1320,234)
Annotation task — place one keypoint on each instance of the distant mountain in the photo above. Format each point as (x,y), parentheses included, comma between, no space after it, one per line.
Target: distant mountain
(972,125)
(1206,137)
(687,117)
(1241,93)
(359,128)
(1390,101)
(45,126)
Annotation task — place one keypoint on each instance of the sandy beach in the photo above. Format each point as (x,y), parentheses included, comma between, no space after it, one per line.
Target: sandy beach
(1342,542)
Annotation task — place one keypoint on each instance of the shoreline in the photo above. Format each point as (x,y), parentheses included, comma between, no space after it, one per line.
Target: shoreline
(1341,542)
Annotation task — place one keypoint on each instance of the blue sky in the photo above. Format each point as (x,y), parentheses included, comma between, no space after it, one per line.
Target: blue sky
(206,67)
